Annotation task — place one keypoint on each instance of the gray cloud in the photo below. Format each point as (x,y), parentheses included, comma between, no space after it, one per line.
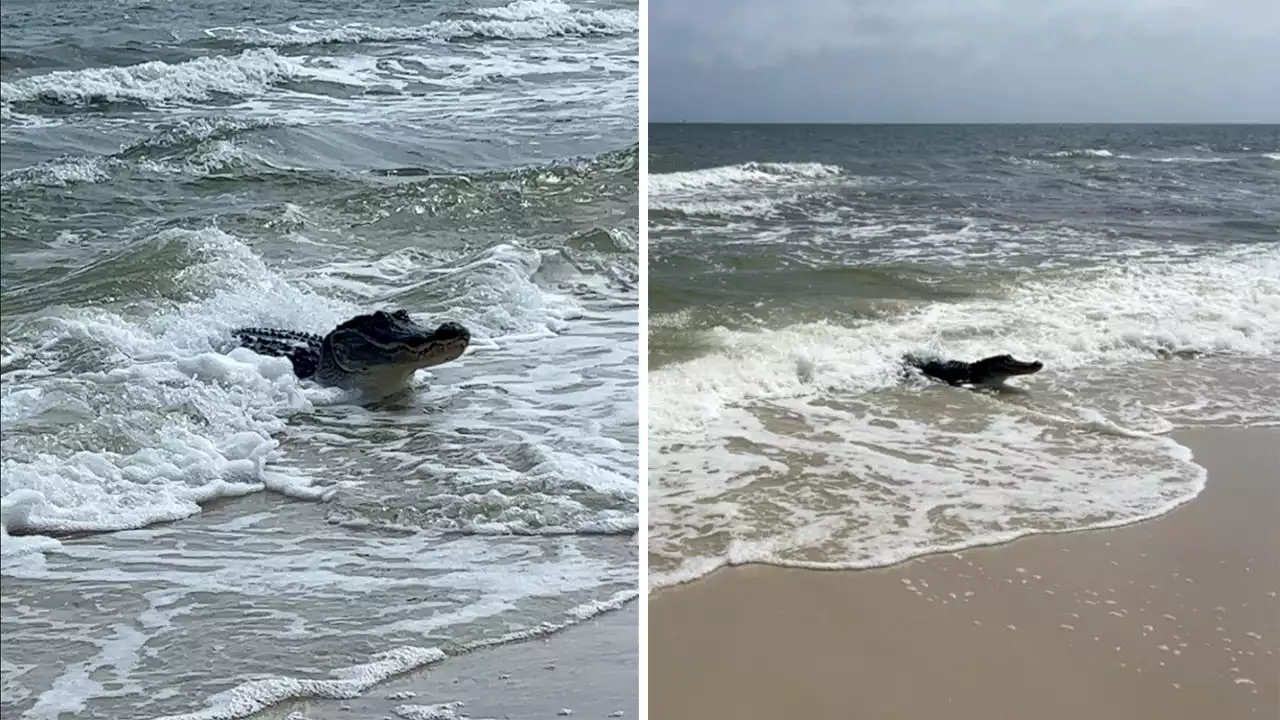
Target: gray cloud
(964,60)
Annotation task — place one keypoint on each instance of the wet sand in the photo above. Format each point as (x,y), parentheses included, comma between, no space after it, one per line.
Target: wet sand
(1174,618)
(591,670)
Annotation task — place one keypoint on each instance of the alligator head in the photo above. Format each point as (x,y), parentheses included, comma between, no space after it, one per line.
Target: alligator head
(385,348)
(994,370)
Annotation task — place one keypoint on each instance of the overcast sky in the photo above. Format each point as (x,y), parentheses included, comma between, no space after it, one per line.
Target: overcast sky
(964,60)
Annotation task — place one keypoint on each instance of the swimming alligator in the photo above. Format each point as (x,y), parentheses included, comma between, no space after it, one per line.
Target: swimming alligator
(379,351)
(989,372)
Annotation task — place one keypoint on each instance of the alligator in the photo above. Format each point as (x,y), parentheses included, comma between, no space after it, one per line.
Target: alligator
(989,372)
(379,351)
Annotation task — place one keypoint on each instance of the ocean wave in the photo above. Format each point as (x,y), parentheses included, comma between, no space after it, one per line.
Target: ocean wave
(747,190)
(1214,305)
(521,20)
(61,172)
(420,190)
(1182,159)
(553,173)
(120,415)
(1084,152)
(192,423)
(154,466)
(192,147)
(662,185)
(250,73)
(215,157)
(189,132)
(199,147)
(534,19)
(256,695)
(807,445)
(859,483)
(1172,159)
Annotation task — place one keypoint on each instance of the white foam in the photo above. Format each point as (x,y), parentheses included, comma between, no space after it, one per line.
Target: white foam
(436,711)
(533,19)
(232,404)
(554,465)
(155,154)
(733,176)
(520,20)
(750,190)
(22,553)
(575,615)
(802,446)
(58,173)
(194,424)
(250,73)
(493,288)
(1219,305)
(410,82)
(1183,159)
(78,683)
(1084,152)
(529,488)
(1188,159)
(511,443)
(887,495)
(96,491)
(257,695)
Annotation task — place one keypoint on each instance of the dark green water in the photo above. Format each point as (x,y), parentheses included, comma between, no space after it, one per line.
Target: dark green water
(791,267)
(174,170)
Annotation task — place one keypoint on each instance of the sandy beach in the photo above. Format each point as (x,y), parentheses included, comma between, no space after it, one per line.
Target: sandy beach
(1172,618)
(589,670)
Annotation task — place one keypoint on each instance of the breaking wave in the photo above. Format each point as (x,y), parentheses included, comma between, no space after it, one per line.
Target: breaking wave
(521,20)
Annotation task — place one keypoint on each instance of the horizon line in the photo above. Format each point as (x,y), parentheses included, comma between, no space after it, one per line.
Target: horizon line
(964,122)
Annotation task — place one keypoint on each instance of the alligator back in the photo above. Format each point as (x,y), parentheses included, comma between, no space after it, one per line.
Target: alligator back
(955,372)
(302,349)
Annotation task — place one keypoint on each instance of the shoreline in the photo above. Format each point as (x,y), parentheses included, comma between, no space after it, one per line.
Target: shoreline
(590,668)
(595,641)
(1174,617)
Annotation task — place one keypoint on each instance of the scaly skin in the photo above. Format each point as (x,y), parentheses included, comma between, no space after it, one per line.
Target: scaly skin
(987,372)
(380,350)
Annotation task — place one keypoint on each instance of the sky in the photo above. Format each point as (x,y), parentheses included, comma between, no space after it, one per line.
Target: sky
(964,60)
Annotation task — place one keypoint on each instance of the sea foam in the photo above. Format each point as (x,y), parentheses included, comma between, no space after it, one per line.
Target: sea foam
(805,446)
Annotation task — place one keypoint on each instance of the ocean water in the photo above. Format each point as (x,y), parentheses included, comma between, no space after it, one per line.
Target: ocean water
(793,266)
(189,531)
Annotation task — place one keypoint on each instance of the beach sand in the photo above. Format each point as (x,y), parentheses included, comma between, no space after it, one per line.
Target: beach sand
(1172,618)
(591,670)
